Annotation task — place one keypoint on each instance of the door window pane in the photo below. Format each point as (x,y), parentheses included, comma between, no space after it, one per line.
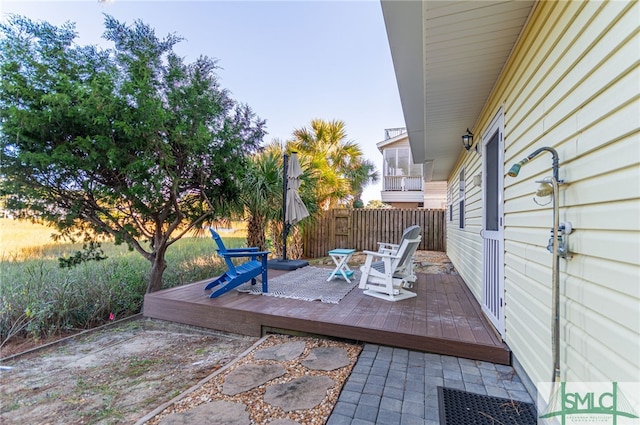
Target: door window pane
(491,188)
(461,200)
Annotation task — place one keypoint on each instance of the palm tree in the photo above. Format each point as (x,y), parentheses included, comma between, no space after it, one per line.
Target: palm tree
(336,162)
(361,174)
(262,192)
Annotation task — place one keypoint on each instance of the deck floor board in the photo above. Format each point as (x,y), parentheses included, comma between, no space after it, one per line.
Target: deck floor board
(444,318)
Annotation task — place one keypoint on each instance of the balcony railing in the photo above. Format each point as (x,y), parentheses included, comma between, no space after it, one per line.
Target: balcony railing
(390,133)
(402,183)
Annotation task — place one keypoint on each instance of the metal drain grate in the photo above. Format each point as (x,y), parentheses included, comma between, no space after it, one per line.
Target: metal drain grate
(464,408)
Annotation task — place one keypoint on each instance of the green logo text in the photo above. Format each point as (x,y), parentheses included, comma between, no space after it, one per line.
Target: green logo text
(612,404)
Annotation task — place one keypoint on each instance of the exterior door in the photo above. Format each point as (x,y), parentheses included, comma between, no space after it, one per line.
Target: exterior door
(492,226)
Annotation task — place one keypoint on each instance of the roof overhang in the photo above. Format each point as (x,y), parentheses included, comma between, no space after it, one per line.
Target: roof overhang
(447,57)
(390,141)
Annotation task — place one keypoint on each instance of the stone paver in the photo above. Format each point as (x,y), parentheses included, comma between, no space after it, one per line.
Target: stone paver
(301,393)
(326,358)
(283,422)
(396,386)
(287,351)
(250,376)
(215,412)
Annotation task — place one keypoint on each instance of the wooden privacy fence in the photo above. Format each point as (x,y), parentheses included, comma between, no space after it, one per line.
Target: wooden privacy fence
(362,229)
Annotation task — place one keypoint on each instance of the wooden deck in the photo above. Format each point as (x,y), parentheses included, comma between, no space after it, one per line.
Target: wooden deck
(444,318)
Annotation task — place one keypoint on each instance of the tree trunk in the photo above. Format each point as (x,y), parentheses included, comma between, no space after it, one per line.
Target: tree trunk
(158,266)
(276,237)
(255,232)
(294,244)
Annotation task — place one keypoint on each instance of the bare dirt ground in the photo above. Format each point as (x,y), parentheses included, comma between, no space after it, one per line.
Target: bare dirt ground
(114,375)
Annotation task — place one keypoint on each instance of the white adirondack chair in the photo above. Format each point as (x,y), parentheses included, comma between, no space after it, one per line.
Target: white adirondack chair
(405,270)
(386,277)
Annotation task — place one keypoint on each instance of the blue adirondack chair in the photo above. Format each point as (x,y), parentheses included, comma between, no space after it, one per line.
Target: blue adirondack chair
(236,275)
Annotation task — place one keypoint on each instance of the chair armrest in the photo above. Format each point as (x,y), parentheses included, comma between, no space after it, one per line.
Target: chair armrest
(245,254)
(385,245)
(380,254)
(253,248)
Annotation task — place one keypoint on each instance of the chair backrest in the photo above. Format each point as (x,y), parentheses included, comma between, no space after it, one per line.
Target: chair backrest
(216,237)
(410,232)
(222,249)
(407,249)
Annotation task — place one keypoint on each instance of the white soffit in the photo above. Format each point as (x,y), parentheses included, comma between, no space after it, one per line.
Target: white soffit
(447,57)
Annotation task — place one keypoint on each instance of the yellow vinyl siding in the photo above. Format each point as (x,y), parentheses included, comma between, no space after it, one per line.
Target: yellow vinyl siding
(572,83)
(525,301)
(581,98)
(462,242)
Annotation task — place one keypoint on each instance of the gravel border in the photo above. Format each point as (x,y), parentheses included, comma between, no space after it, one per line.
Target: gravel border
(210,388)
(197,386)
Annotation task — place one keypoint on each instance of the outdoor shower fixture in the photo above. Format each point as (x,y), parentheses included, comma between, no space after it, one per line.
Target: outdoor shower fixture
(515,168)
(556,245)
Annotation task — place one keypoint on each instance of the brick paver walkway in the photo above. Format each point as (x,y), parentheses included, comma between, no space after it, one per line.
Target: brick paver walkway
(393,386)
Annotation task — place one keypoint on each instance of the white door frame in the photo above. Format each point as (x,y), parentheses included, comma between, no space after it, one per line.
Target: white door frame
(492,222)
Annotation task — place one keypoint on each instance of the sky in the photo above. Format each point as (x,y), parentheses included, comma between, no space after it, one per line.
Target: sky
(290,61)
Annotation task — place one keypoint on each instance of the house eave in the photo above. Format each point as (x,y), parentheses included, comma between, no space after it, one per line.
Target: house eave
(447,56)
(390,141)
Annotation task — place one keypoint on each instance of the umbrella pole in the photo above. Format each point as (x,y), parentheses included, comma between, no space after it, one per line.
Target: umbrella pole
(284,209)
(299,212)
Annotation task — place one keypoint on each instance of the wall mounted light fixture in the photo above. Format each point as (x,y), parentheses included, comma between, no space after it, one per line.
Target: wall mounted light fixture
(467,140)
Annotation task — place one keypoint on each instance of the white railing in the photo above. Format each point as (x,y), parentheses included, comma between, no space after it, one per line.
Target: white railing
(390,133)
(402,183)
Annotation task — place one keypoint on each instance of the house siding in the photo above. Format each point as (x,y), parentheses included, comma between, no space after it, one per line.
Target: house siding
(435,195)
(571,83)
(463,242)
(402,143)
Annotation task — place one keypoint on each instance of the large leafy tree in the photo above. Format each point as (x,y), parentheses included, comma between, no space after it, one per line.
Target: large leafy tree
(338,163)
(129,142)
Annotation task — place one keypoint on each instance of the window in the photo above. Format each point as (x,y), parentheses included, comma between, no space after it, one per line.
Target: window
(492,185)
(397,162)
(461,199)
(450,202)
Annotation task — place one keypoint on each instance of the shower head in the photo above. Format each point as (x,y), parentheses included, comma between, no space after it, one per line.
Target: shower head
(515,169)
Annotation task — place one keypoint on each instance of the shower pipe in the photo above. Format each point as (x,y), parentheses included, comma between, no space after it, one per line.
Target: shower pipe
(513,172)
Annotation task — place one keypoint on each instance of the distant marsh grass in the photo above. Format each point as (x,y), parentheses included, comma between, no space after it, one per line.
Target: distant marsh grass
(38,298)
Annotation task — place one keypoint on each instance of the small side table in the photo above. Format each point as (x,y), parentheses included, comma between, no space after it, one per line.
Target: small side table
(341,258)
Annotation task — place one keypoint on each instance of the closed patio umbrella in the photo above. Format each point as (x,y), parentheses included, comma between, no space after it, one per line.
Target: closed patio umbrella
(295,210)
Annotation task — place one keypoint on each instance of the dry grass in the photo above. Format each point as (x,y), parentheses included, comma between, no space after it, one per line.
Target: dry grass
(19,239)
(40,299)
